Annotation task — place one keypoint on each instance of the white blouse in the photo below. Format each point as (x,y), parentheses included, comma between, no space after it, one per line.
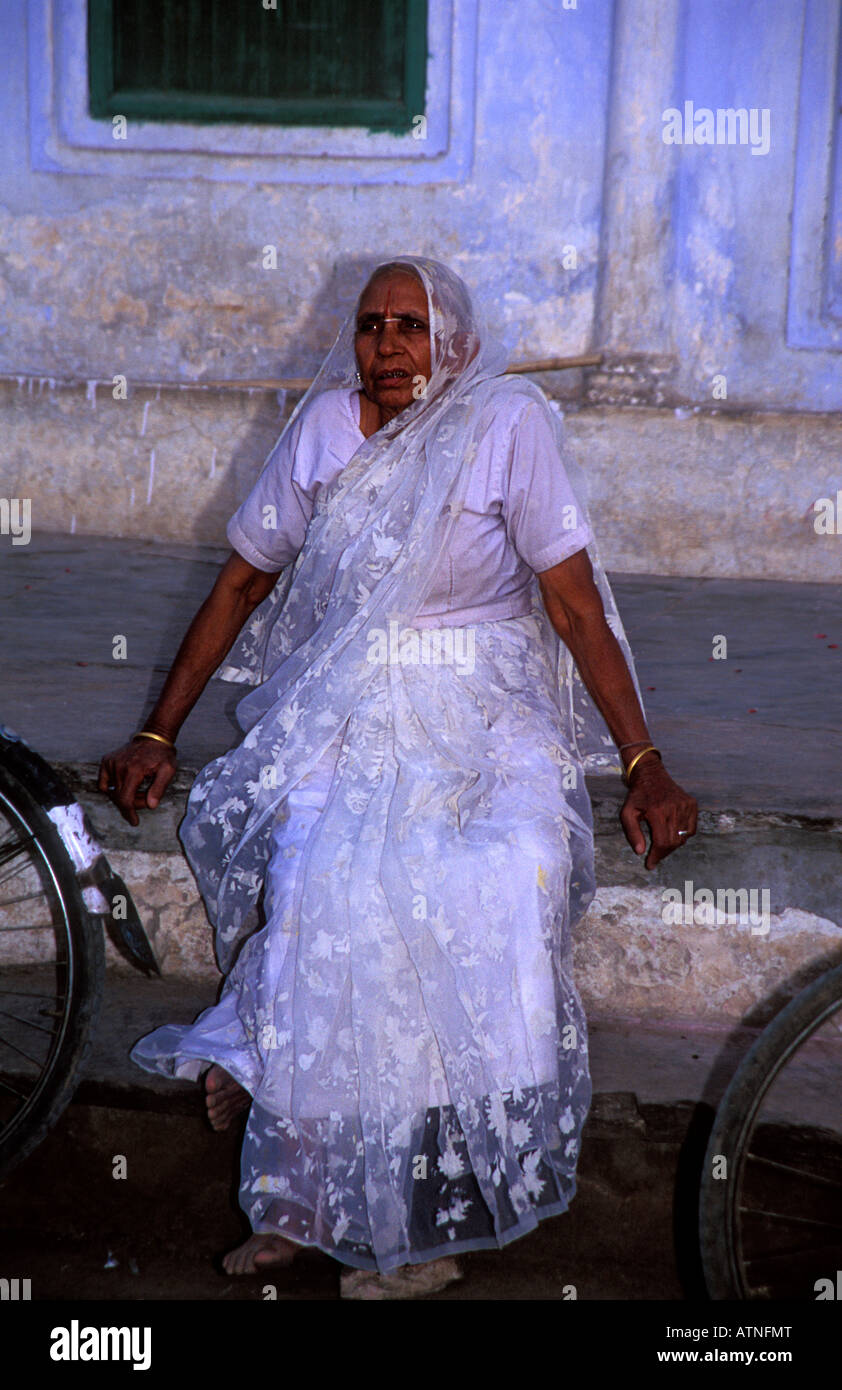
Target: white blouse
(519,517)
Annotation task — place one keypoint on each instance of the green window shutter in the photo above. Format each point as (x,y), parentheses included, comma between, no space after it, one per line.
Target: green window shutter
(308,62)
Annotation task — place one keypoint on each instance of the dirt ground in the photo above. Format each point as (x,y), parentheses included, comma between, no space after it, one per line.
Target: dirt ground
(79,1233)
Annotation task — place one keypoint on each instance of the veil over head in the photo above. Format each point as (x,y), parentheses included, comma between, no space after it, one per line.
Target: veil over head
(374,544)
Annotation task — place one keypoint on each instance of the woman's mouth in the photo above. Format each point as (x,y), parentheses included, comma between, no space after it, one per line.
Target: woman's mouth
(392,376)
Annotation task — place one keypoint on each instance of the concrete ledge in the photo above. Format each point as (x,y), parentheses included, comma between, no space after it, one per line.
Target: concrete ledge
(629,957)
(682,491)
(750,736)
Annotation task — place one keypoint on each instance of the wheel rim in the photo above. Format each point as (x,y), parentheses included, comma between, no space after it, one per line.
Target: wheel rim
(783,1213)
(37,969)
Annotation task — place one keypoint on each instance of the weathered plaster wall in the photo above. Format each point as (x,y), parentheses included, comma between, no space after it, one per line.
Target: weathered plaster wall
(684,260)
(164,280)
(703,245)
(686,493)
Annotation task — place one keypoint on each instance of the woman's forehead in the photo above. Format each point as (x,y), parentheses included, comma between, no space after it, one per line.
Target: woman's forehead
(395,289)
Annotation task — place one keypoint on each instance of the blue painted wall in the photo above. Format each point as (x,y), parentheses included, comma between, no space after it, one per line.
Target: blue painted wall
(137,267)
(709,276)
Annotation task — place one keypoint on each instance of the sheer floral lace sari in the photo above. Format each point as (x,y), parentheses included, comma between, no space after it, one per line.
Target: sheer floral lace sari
(399,999)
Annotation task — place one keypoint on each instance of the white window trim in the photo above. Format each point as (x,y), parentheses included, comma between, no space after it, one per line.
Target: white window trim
(65,139)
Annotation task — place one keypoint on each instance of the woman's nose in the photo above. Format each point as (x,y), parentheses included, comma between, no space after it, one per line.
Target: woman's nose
(389,338)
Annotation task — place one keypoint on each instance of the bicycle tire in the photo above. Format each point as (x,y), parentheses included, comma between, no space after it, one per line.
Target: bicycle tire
(82,938)
(734,1122)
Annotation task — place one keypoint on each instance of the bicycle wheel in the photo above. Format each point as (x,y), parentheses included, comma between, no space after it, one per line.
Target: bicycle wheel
(770,1212)
(52,963)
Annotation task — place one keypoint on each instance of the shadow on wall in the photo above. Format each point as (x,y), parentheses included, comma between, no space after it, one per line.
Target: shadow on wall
(327,311)
(320,321)
(319,324)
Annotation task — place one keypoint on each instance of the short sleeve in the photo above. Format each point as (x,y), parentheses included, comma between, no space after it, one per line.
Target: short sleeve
(543,520)
(268,529)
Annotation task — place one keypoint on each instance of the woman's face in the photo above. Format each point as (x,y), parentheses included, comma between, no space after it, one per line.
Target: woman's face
(392,341)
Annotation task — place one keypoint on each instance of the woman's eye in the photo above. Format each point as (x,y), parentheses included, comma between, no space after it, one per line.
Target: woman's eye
(372,327)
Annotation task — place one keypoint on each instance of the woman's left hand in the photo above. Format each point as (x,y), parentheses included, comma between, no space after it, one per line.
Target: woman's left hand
(655,798)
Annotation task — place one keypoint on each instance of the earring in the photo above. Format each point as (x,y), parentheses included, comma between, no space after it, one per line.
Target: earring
(358,376)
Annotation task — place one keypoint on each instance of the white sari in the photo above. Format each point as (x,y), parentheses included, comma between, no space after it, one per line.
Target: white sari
(393,859)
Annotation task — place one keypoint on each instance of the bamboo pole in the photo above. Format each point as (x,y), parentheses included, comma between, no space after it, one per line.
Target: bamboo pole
(557,364)
(296,383)
(542,364)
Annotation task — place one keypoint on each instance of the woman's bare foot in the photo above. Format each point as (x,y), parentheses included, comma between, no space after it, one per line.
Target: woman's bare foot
(224,1097)
(260,1252)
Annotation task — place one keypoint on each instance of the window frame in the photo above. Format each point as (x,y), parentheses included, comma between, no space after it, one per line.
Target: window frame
(65,139)
(380,115)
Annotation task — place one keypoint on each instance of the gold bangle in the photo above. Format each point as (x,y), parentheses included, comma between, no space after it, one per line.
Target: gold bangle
(159,738)
(636,759)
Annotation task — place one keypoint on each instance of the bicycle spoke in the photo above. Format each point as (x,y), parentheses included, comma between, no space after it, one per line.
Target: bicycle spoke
(4,1042)
(31,926)
(787,1168)
(9,858)
(770,1256)
(793,1220)
(21,1095)
(27,1023)
(791,1275)
(23,898)
(29,993)
(11,849)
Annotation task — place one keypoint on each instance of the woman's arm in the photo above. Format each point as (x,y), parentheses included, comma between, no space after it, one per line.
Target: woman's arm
(238,589)
(574,607)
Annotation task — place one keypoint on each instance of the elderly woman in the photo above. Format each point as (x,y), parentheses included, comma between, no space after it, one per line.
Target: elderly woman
(395,854)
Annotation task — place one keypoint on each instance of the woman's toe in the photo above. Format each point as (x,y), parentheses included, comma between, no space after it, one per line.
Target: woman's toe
(276,1250)
(259,1252)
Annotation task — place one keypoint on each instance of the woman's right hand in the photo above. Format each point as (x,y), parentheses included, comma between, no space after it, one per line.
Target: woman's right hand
(122,773)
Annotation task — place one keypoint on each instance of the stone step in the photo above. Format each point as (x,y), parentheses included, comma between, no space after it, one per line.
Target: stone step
(755,738)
